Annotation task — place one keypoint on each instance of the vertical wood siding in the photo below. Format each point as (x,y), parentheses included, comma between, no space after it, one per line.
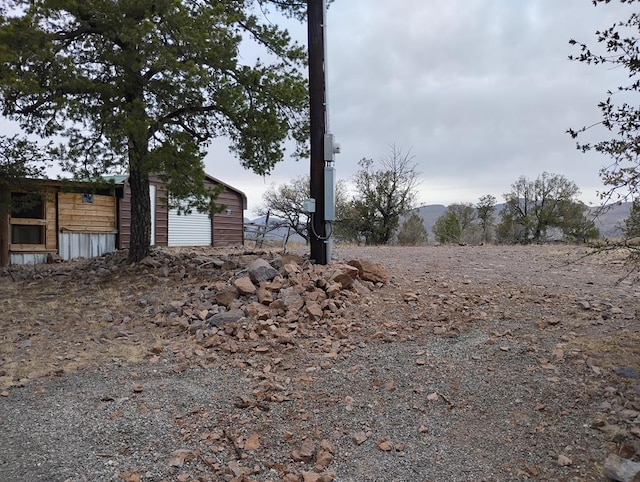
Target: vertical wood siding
(228,229)
(50,211)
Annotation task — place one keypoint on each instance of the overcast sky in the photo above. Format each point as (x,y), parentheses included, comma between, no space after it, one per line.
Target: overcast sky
(480,91)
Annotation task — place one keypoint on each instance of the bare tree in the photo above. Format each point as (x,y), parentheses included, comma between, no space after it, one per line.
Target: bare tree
(284,203)
(384,194)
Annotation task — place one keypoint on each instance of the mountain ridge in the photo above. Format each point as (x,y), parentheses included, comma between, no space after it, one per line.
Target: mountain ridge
(608,219)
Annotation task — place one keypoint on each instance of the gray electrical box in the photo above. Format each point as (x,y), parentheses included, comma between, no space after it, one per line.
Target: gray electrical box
(309,206)
(329,193)
(329,152)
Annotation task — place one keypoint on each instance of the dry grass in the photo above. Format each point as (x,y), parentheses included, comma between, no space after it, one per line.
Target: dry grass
(612,350)
(51,327)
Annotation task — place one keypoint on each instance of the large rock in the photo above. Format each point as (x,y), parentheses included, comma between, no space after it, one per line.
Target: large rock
(220,319)
(226,296)
(260,270)
(343,274)
(244,285)
(621,470)
(370,271)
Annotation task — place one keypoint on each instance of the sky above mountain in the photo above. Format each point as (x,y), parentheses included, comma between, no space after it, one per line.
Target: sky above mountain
(480,92)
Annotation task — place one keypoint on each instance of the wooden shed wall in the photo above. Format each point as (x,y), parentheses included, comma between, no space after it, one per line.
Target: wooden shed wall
(51,235)
(49,220)
(228,229)
(78,216)
(68,224)
(162,216)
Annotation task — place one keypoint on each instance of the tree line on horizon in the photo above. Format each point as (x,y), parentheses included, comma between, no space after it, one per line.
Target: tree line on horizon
(381,210)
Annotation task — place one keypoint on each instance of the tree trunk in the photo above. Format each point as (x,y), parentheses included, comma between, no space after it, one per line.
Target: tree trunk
(139,245)
(536,236)
(138,151)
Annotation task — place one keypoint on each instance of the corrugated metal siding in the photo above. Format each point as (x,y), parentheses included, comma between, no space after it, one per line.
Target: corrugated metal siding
(189,230)
(227,230)
(27,258)
(86,245)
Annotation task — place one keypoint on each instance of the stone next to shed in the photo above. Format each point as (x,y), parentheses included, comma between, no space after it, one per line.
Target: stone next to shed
(287,289)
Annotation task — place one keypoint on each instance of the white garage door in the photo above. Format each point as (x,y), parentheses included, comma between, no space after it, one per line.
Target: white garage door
(189,229)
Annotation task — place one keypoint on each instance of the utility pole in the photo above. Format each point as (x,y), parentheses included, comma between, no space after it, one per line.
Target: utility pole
(317,108)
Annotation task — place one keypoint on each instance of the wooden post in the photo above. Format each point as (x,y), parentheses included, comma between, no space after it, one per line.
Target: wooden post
(317,108)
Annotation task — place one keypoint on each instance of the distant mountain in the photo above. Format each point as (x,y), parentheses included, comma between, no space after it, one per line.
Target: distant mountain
(609,220)
(430,215)
(256,227)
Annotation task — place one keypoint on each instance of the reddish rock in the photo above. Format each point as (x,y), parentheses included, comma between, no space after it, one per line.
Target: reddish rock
(333,290)
(323,459)
(258,311)
(370,271)
(226,296)
(314,310)
(264,296)
(274,285)
(316,295)
(291,269)
(244,285)
(343,274)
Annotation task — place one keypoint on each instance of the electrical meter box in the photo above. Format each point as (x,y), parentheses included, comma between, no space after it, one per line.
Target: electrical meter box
(309,206)
(329,193)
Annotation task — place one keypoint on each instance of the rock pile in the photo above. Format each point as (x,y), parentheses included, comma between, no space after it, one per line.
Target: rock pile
(286,290)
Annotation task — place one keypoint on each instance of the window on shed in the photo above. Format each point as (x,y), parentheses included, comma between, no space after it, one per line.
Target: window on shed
(27,218)
(29,205)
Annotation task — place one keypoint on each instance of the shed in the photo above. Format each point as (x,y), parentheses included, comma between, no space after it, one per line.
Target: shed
(168,228)
(67,218)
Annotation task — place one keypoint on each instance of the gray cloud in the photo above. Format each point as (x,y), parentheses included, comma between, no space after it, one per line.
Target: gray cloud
(480,91)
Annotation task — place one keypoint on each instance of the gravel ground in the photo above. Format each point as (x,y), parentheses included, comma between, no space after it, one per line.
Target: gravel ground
(472,364)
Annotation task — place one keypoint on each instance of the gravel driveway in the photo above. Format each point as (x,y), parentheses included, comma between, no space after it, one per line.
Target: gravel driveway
(483,363)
